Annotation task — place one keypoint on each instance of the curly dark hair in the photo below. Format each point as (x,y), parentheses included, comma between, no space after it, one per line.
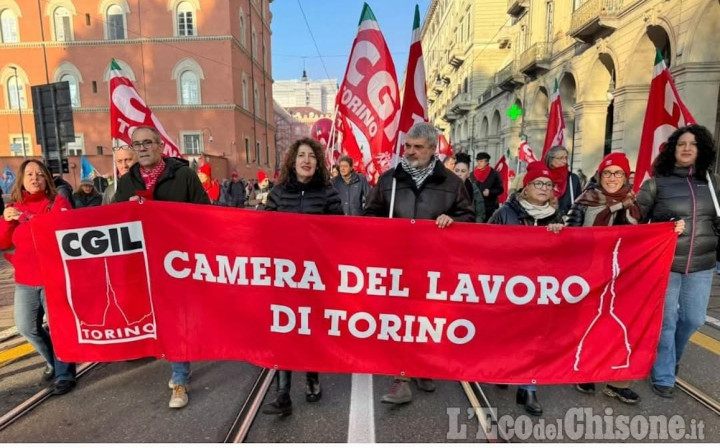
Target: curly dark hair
(665,162)
(322,174)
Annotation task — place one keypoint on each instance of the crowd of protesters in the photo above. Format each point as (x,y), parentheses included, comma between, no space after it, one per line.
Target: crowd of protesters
(424,187)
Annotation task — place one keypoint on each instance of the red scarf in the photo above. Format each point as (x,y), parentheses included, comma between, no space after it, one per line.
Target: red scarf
(151,175)
(481,175)
(560,176)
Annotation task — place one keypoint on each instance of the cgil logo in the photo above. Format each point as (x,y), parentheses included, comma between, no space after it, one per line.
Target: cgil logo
(101,241)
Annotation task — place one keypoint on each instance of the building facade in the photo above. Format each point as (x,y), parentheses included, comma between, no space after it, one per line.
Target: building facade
(304,92)
(288,128)
(203,67)
(601,53)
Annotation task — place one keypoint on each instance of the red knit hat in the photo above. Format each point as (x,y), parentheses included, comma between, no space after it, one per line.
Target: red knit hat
(261,176)
(617,159)
(535,170)
(234,174)
(206,169)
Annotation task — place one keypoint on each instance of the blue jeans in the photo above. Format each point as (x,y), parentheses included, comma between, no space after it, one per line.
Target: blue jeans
(30,307)
(686,302)
(180,373)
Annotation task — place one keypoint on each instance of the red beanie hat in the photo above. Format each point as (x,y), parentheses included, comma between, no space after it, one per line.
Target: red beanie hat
(206,170)
(261,176)
(535,170)
(618,159)
(234,174)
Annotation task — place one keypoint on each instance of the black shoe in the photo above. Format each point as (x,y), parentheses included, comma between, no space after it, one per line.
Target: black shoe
(313,392)
(677,369)
(281,405)
(501,386)
(62,387)
(48,374)
(663,391)
(624,394)
(586,388)
(529,401)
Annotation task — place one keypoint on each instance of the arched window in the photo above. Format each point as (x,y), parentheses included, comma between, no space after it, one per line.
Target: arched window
(115,21)
(16,93)
(62,21)
(189,88)
(185,19)
(9,26)
(74,89)
(244,91)
(243,30)
(253,42)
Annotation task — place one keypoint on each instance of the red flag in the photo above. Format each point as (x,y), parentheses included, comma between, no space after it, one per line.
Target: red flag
(128,111)
(414,105)
(504,171)
(525,153)
(444,148)
(369,95)
(555,134)
(664,114)
(350,146)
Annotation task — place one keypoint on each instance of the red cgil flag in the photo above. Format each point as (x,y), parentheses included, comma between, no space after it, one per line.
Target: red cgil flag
(128,111)
(555,134)
(525,153)
(369,94)
(444,148)
(503,170)
(664,114)
(414,105)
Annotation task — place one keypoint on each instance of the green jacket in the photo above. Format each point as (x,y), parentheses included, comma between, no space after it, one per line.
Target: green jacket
(177,183)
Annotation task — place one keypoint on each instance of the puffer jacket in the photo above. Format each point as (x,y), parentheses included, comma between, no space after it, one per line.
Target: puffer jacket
(314,198)
(353,194)
(82,200)
(511,213)
(442,193)
(682,196)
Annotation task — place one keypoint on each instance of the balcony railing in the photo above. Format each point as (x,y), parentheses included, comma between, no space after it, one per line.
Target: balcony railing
(535,58)
(517,7)
(595,18)
(462,104)
(456,57)
(508,77)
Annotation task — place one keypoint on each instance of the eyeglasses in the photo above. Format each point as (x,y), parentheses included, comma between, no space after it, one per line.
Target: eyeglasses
(122,147)
(608,174)
(147,144)
(540,185)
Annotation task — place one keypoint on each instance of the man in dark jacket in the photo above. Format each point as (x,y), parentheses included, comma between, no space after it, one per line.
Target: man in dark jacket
(352,187)
(162,179)
(233,192)
(488,182)
(424,189)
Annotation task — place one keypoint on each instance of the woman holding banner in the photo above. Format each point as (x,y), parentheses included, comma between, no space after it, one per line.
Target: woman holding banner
(33,194)
(611,203)
(682,189)
(532,206)
(303,187)
(567,185)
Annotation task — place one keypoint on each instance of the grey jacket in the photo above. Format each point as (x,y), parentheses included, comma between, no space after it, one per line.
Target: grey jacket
(353,194)
(681,196)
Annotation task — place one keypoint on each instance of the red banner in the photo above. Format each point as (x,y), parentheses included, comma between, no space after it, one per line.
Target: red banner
(507,304)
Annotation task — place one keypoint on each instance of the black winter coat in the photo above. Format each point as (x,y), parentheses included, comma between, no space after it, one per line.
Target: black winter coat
(354,194)
(177,183)
(442,193)
(81,199)
(513,214)
(495,188)
(567,199)
(681,196)
(314,198)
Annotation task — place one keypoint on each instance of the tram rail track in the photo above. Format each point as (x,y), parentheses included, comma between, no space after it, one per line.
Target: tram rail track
(245,417)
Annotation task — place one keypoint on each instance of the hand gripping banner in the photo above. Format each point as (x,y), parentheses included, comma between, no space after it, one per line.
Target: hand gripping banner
(505,304)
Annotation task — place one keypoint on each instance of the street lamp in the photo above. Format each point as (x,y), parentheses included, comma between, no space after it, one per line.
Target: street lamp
(17,96)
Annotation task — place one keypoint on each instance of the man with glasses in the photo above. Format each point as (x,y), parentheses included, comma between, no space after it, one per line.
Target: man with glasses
(124,157)
(155,177)
(488,182)
(424,189)
(567,184)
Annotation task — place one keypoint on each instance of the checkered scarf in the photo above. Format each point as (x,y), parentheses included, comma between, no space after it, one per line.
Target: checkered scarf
(419,175)
(150,176)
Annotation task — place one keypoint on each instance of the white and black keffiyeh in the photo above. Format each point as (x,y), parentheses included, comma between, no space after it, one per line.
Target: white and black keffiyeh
(419,175)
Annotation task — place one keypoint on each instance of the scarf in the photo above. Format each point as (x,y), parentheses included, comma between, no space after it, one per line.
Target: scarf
(481,175)
(623,199)
(419,175)
(151,175)
(538,212)
(560,176)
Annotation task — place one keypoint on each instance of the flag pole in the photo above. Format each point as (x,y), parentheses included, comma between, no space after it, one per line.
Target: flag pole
(329,156)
